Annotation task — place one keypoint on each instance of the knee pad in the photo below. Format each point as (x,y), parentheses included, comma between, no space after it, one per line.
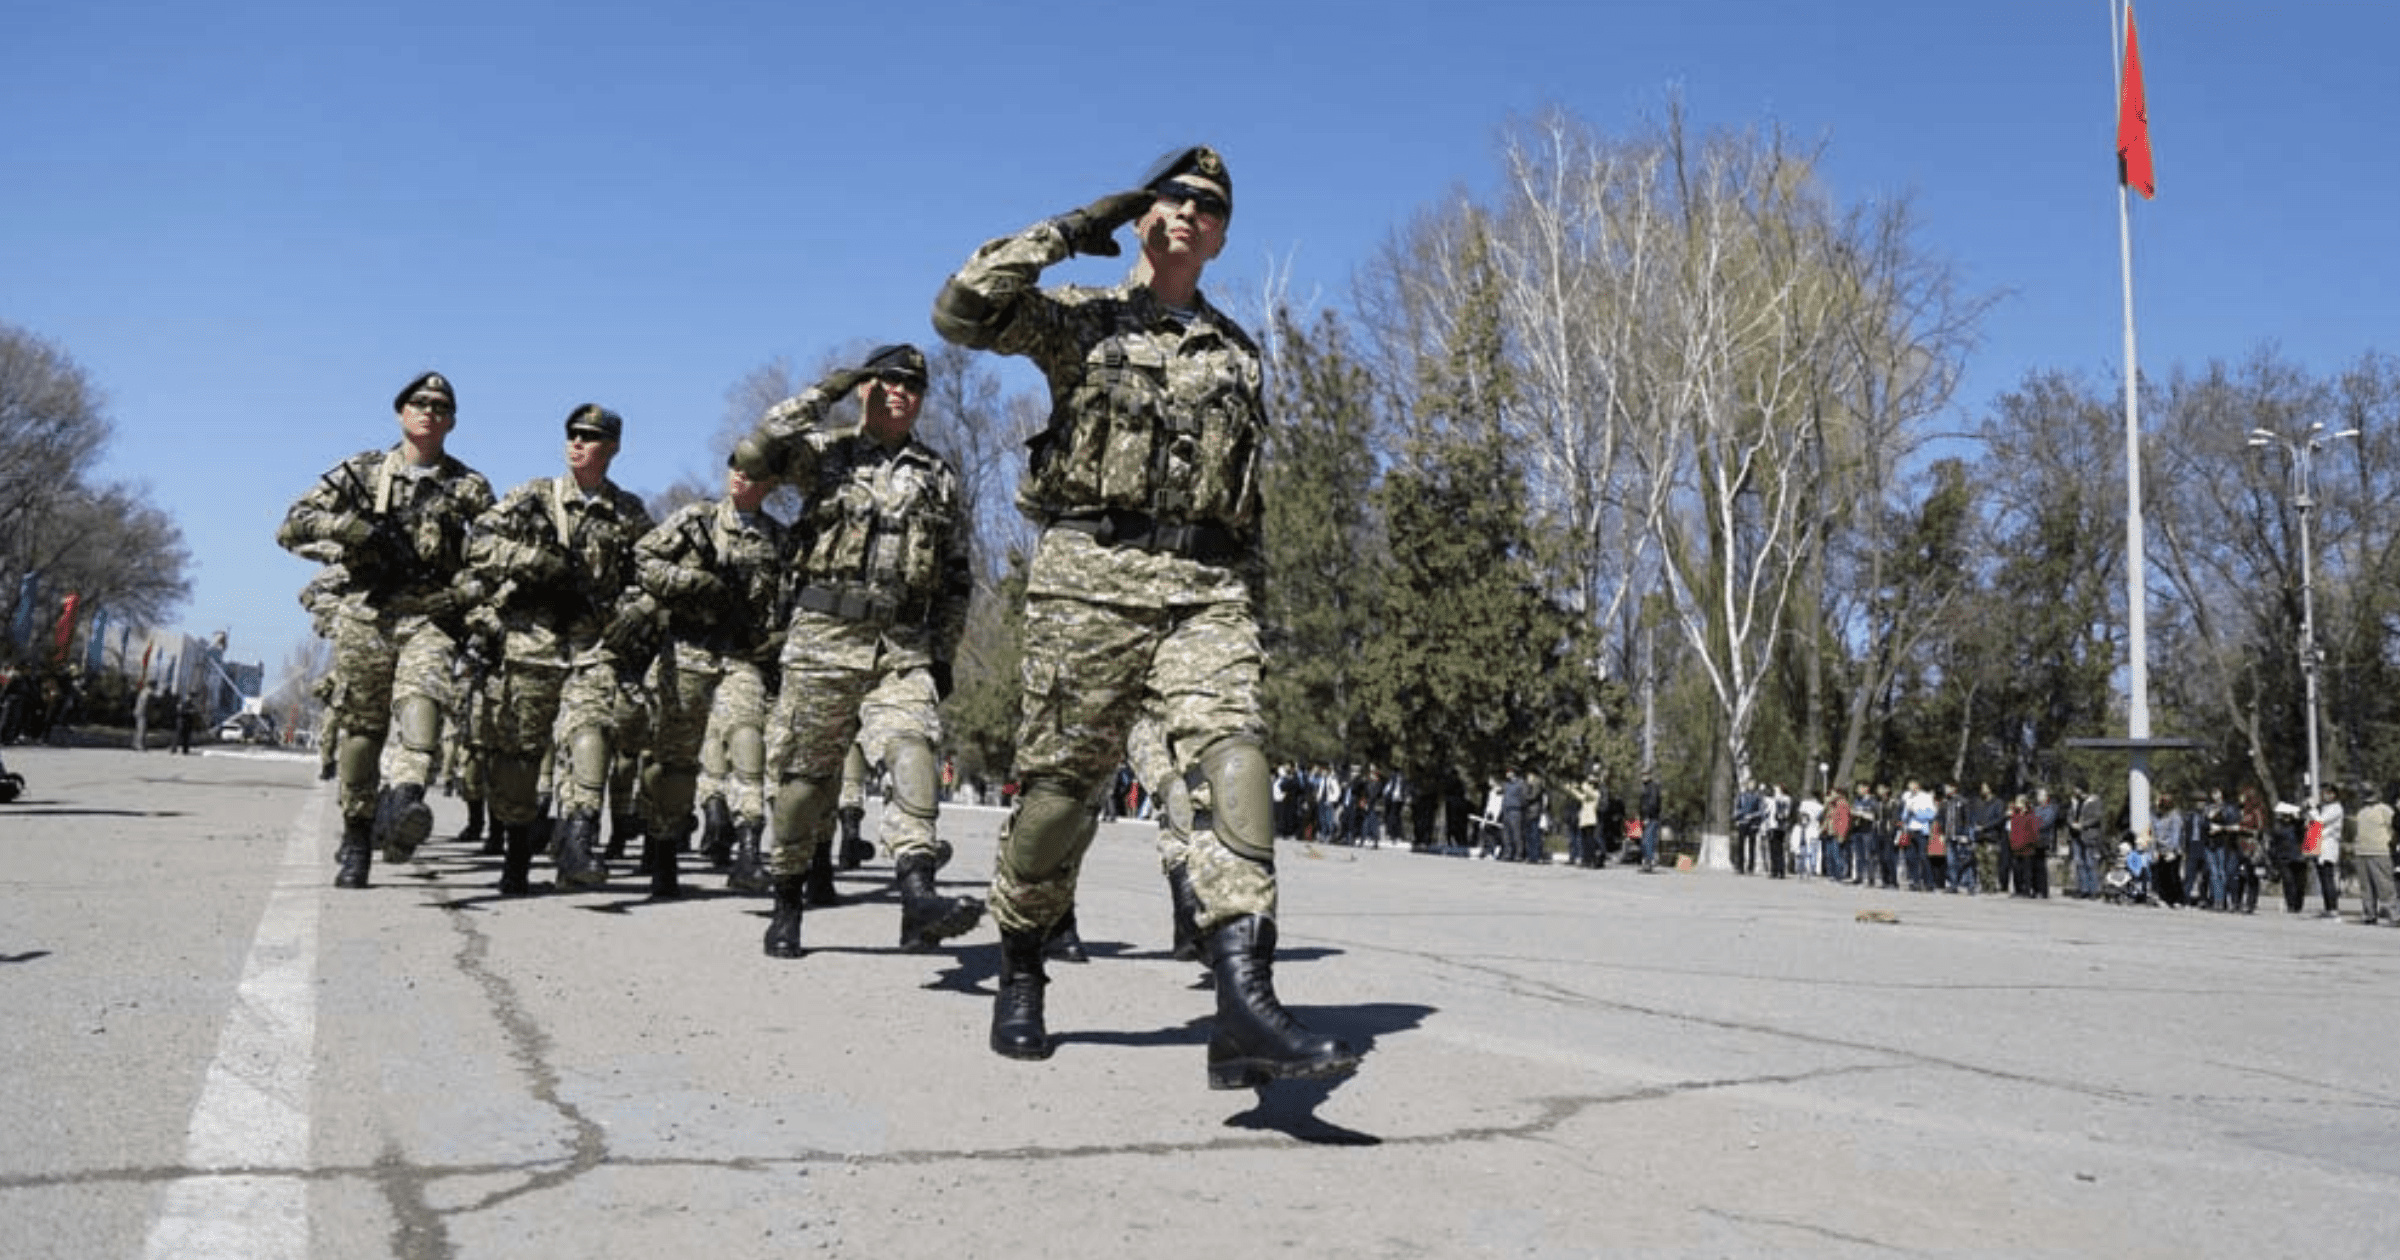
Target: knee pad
(420,725)
(358,757)
(801,805)
(587,758)
(913,778)
(1241,802)
(747,749)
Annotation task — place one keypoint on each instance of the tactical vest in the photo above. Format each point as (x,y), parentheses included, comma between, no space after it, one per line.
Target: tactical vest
(1175,438)
(884,557)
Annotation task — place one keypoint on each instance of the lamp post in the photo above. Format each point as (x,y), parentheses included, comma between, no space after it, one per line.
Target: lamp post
(2301,451)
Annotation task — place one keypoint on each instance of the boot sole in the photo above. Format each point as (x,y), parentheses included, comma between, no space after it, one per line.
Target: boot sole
(410,831)
(1023,1054)
(959,922)
(1252,1073)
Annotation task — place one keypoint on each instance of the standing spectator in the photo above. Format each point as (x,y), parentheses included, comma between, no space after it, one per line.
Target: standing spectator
(1585,848)
(2053,819)
(2167,829)
(1515,845)
(187,716)
(1958,841)
(1918,812)
(2327,853)
(141,719)
(1748,805)
(1807,833)
(1991,841)
(1651,807)
(1835,839)
(2371,853)
(2287,833)
(2027,848)
(1776,832)
(2087,841)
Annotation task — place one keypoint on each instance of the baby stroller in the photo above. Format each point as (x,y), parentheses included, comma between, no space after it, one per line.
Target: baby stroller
(2127,880)
(12,786)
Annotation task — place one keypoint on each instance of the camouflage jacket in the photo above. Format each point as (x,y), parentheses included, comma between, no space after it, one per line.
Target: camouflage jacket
(742,611)
(1156,416)
(556,562)
(883,533)
(426,515)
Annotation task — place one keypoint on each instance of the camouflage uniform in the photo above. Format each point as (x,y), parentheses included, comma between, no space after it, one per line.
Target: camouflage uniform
(879,599)
(559,560)
(1137,592)
(402,533)
(718,571)
(1140,595)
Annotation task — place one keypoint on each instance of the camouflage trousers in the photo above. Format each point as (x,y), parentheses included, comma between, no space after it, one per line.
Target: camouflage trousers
(632,726)
(533,708)
(890,714)
(691,688)
(384,664)
(1092,674)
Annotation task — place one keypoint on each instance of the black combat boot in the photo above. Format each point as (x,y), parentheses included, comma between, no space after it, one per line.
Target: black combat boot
(821,892)
(356,856)
(783,930)
(855,851)
(577,868)
(716,833)
(516,861)
(1017,1031)
(1255,1039)
(658,854)
(1065,943)
(928,918)
(1189,947)
(621,827)
(749,873)
(412,822)
(472,833)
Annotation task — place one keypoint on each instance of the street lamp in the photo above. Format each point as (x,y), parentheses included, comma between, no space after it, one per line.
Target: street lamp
(2302,450)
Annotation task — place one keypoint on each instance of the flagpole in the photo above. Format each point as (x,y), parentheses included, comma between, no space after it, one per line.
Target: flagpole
(2137,595)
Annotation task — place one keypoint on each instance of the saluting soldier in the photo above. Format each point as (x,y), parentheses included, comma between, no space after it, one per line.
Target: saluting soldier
(557,555)
(1141,590)
(880,599)
(716,568)
(399,518)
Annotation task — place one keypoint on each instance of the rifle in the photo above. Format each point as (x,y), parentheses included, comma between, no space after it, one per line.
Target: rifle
(387,562)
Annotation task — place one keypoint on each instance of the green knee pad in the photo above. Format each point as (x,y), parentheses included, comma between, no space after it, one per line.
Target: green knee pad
(801,806)
(913,778)
(421,725)
(748,751)
(1241,797)
(1048,831)
(587,759)
(358,759)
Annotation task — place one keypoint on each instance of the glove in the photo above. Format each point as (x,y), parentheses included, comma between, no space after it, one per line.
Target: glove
(541,566)
(839,382)
(943,684)
(350,530)
(706,589)
(624,631)
(1092,229)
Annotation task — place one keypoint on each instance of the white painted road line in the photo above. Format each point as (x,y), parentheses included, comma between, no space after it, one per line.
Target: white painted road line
(249,1137)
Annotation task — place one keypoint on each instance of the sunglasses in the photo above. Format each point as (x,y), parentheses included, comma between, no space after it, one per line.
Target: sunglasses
(1204,201)
(902,380)
(433,406)
(586,437)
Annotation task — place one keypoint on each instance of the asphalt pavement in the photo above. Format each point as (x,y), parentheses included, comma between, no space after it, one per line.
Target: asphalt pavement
(213,1053)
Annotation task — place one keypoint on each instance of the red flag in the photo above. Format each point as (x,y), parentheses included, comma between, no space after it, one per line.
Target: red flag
(66,623)
(2133,122)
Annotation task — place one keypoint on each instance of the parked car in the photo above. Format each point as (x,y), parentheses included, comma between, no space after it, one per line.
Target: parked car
(247,728)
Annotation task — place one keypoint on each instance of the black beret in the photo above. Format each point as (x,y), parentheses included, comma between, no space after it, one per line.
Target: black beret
(902,360)
(594,418)
(1198,160)
(428,383)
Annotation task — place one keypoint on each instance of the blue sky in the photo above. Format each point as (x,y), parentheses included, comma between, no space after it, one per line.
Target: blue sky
(251,222)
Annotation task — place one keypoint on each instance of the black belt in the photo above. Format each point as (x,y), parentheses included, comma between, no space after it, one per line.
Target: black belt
(851,604)
(1197,540)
